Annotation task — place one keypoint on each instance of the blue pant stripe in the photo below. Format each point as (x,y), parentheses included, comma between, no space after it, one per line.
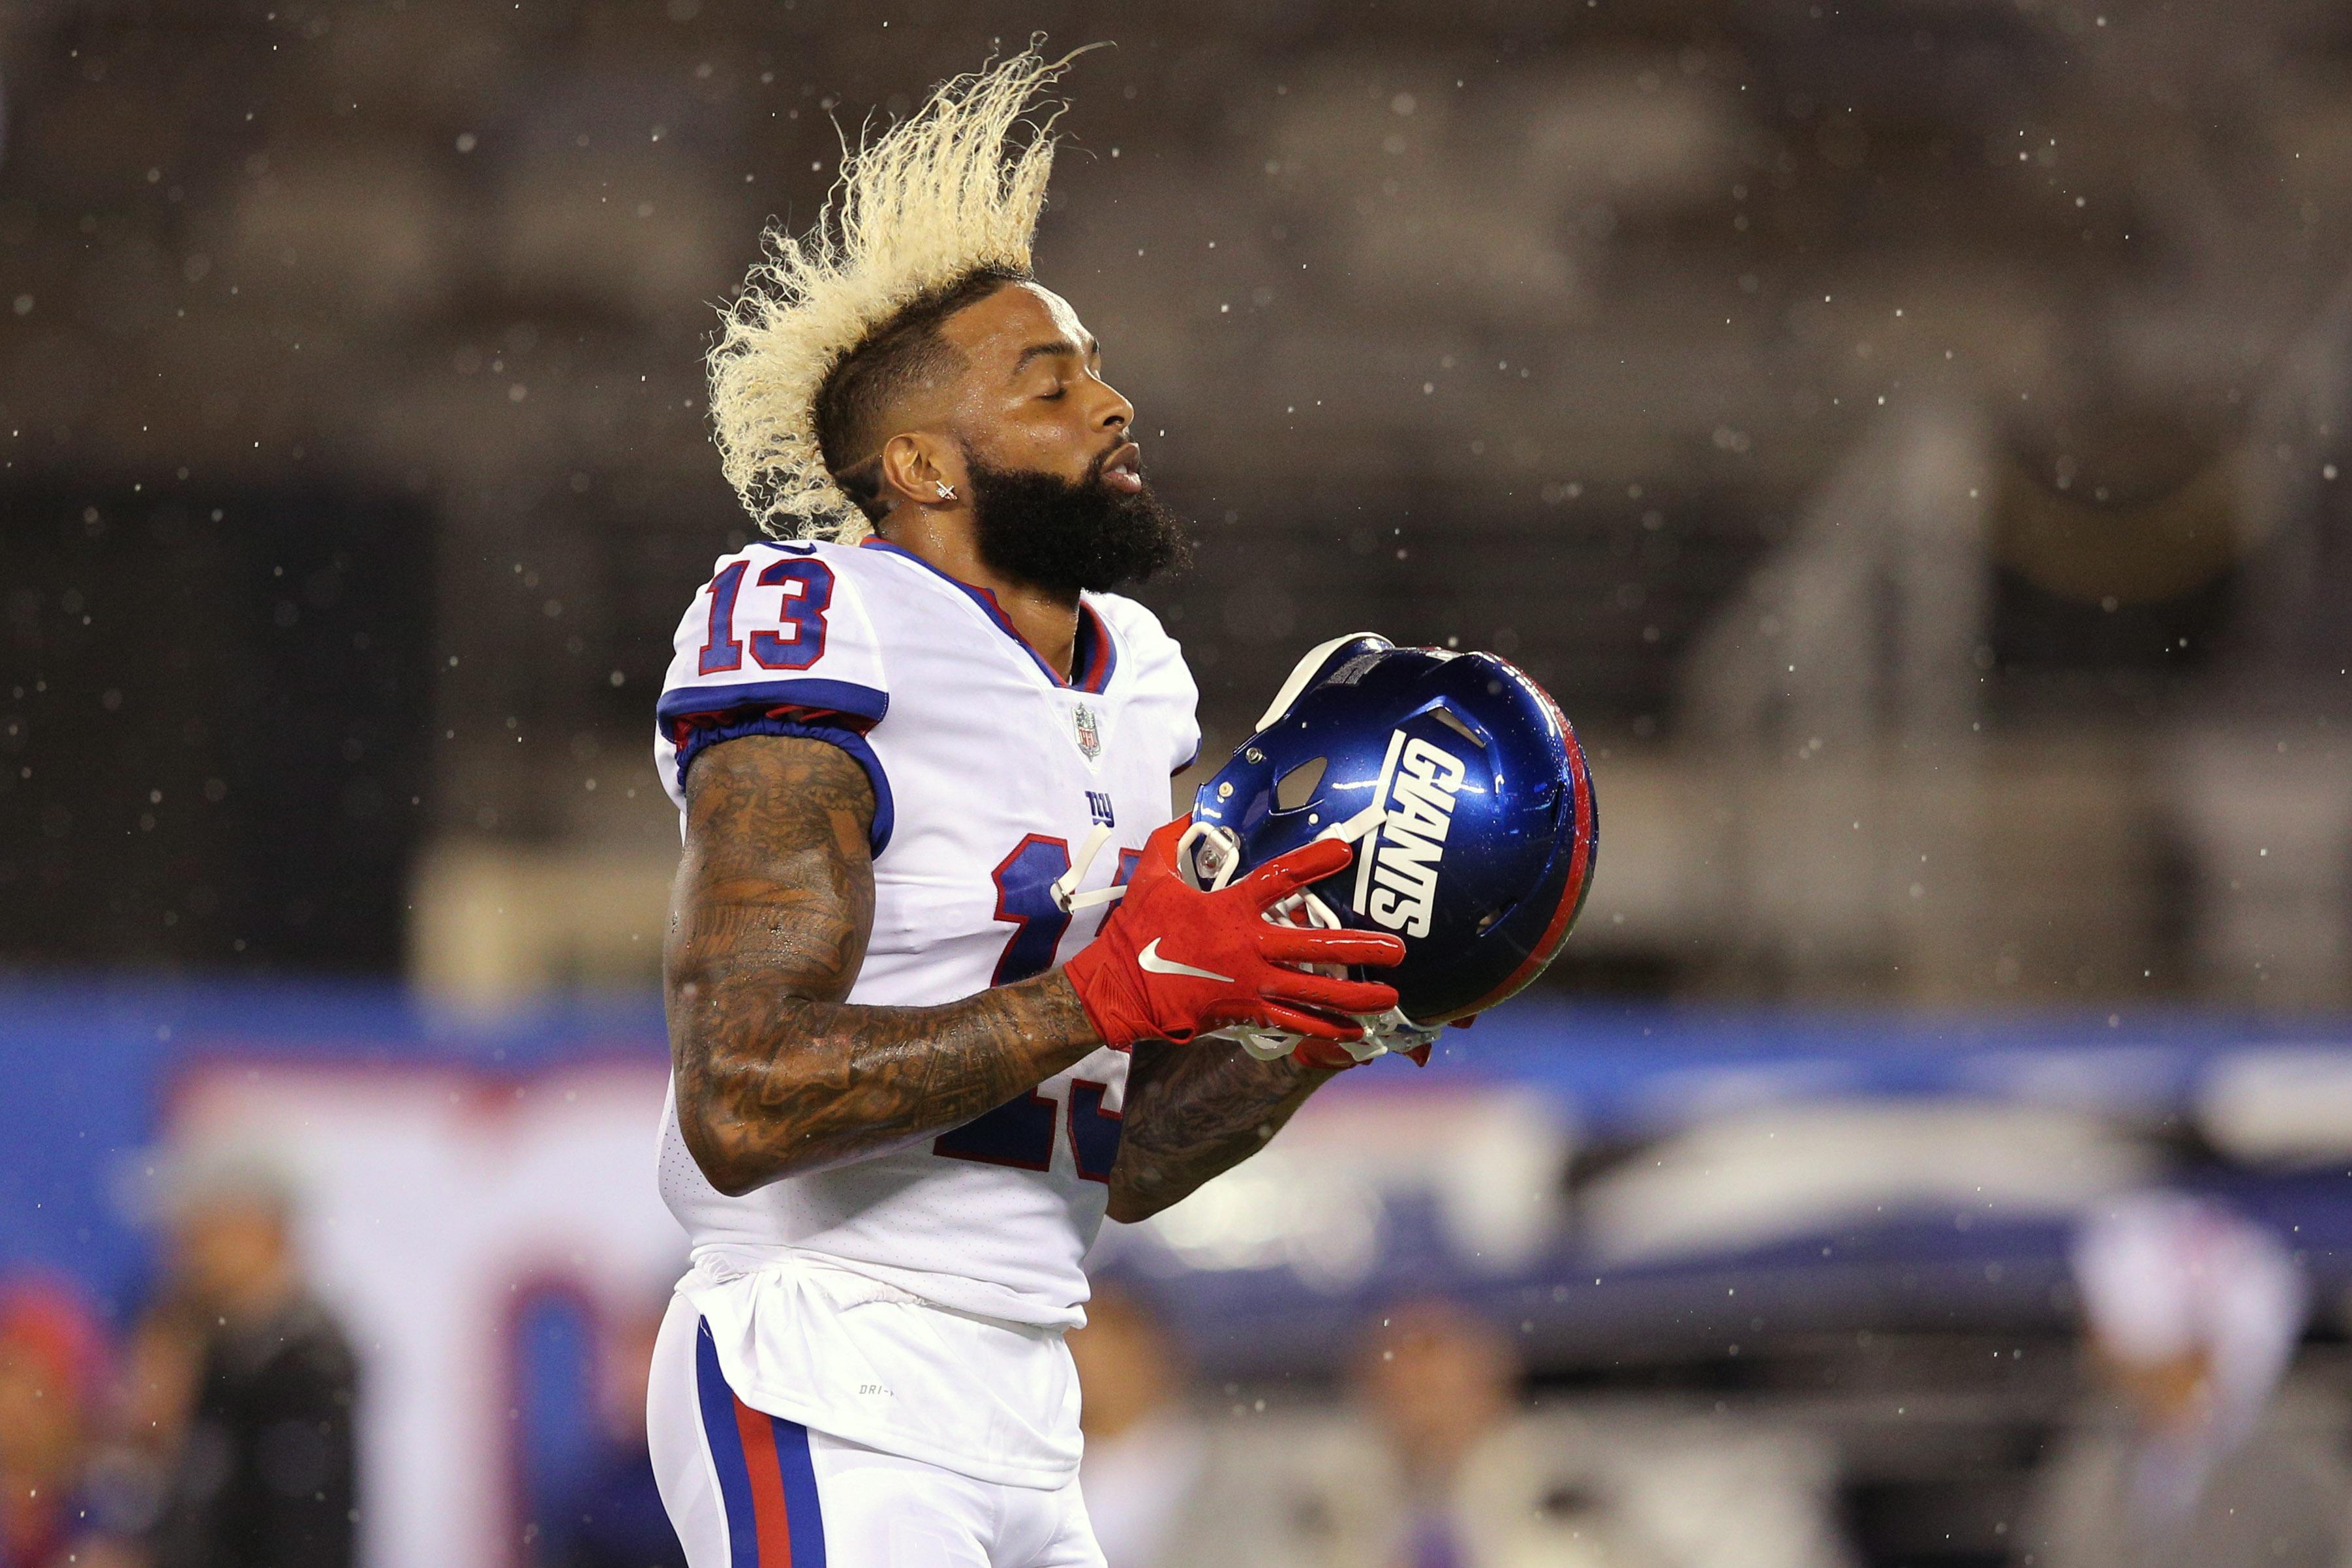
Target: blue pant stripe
(718,1402)
(801,1507)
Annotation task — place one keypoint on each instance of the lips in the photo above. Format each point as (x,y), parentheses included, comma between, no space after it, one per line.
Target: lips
(1124,470)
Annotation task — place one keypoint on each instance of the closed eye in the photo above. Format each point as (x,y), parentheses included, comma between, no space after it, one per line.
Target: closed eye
(1052,396)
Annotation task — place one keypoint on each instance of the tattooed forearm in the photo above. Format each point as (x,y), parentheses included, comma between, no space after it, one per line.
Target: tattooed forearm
(1194,1111)
(768,920)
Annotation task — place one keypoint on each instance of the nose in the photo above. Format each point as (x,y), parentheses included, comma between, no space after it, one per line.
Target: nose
(1112,412)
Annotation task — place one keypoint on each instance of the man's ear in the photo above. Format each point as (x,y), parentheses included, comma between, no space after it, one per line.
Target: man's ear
(921,469)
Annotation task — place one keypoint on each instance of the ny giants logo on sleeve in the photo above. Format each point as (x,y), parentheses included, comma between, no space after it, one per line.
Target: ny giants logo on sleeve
(1396,872)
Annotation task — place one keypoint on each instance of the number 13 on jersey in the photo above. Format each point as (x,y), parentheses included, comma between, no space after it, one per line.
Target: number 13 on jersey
(1020,1133)
(797,640)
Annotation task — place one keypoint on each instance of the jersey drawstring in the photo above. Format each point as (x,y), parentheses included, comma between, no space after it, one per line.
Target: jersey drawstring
(1066,896)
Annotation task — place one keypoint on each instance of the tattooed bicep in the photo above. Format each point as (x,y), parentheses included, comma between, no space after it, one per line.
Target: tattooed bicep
(777,876)
(779,793)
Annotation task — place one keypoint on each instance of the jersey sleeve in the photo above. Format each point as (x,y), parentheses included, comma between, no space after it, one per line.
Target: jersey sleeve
(777,642)
(1187,749)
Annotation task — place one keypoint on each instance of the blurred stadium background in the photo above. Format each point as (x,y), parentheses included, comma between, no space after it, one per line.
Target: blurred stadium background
(1905,438)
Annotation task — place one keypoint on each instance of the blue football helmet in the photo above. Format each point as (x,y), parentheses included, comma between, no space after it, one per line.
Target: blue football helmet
(1468,802)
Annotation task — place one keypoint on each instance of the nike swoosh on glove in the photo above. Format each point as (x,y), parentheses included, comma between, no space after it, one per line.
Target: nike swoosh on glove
(1173,962)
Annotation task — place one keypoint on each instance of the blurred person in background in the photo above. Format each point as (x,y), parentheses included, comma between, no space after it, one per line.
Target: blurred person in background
(1419,1473)
(1438,1382)
(615,1518)
(51,1361)
(1471,1478)
(1163,1487)
(263,1475)
(1458,1482)
(1145,1472)
(2183,1455)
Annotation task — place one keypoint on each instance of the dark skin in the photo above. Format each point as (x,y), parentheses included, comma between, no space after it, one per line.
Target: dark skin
(1032,397)
(777,1074)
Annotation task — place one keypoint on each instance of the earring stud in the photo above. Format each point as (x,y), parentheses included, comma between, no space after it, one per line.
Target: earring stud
(946,490)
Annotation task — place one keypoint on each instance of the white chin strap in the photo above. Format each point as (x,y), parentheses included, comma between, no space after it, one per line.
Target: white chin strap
(1066,896)
(1208,857)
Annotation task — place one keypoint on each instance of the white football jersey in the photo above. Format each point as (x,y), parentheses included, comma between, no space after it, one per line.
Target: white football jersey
(988,773)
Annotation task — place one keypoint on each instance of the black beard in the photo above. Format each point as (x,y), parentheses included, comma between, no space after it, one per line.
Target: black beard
(1046,531)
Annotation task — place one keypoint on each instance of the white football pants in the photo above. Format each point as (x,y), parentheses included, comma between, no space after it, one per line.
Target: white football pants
(746,1490)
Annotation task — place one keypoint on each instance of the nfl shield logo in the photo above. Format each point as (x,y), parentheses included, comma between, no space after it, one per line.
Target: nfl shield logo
(1088,729)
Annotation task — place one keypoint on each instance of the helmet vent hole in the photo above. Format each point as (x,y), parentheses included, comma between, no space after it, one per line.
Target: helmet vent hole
(1445,717)
(1487,921)
(1297,787)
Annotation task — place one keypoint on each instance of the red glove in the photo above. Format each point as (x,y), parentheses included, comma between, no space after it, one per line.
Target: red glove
(1172,962)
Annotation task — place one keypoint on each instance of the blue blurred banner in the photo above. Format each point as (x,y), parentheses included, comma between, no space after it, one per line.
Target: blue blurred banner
(95,1068)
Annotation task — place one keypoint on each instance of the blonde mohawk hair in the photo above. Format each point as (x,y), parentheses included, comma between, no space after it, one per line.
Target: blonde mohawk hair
(941,197)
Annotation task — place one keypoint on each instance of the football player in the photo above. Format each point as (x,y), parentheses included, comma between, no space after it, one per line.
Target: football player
(915,741)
